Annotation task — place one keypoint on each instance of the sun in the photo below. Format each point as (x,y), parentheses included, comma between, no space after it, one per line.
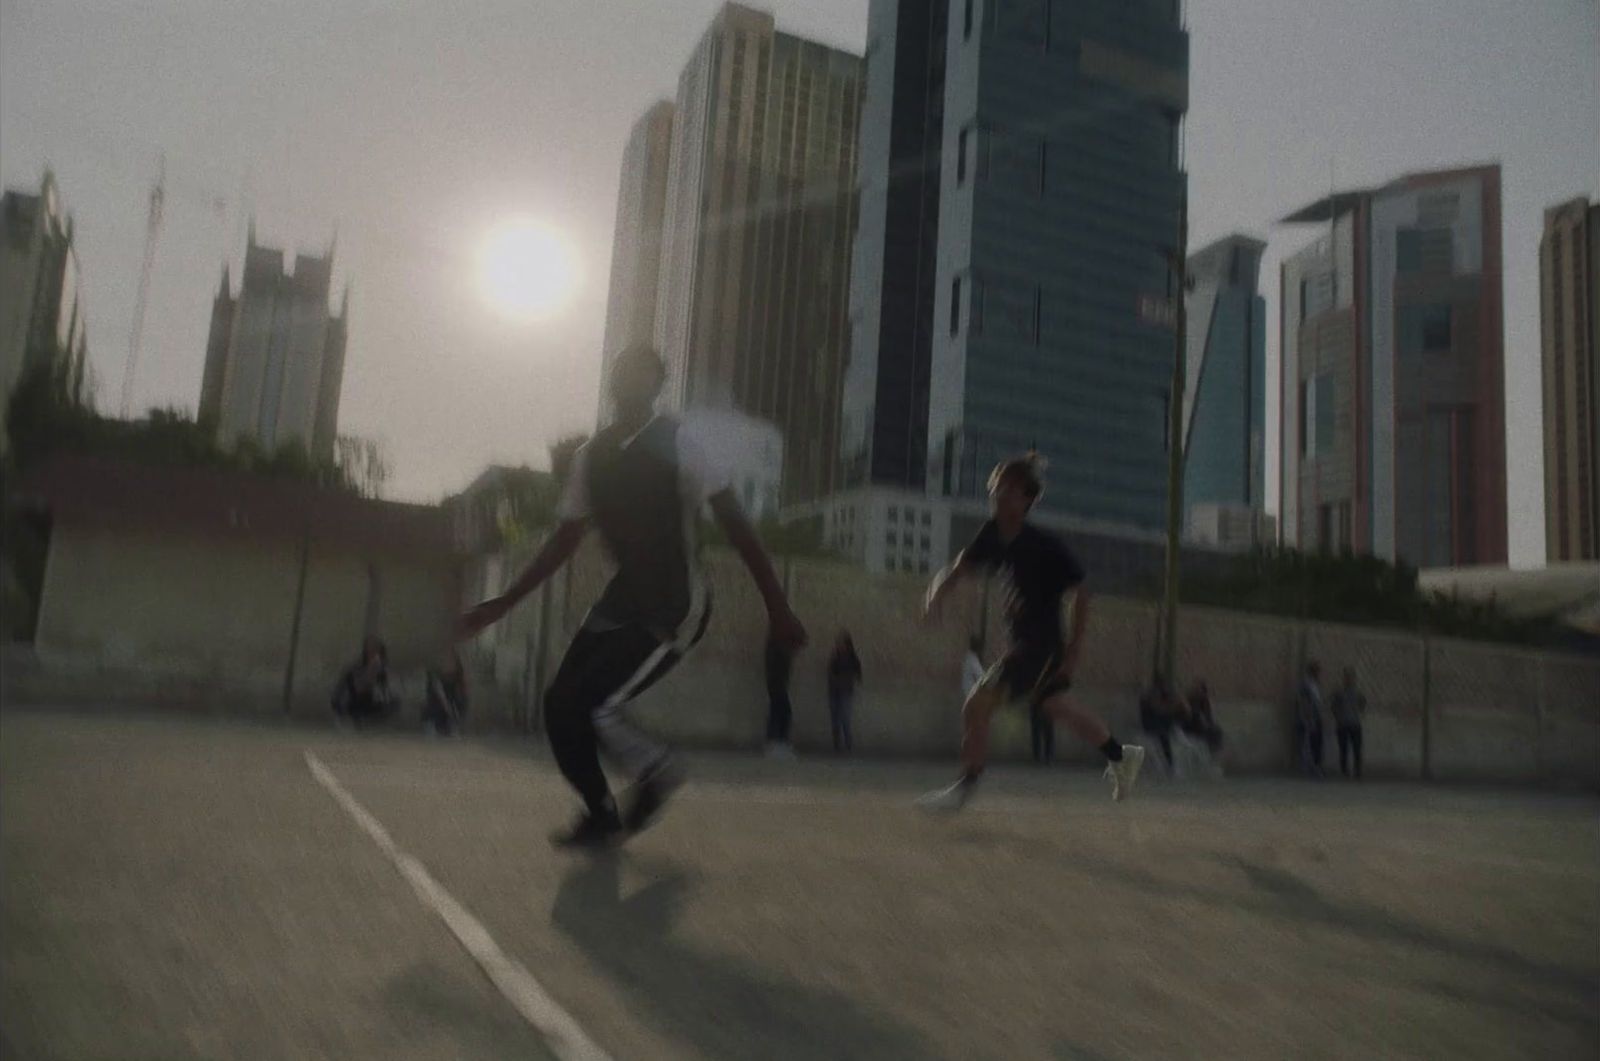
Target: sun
(526,270)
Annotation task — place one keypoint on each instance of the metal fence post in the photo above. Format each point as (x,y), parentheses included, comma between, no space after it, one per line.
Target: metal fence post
(1427,708)
(294,625)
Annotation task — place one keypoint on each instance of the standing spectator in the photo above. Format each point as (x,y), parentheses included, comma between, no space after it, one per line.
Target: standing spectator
(780,712)
(363,694)
(972,668)
(1200,721)
(1159,710)
(1308,721)
(447,696)
(1347,705)
(844,674)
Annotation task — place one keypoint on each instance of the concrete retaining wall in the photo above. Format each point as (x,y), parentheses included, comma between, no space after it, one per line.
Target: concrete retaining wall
(1449,710)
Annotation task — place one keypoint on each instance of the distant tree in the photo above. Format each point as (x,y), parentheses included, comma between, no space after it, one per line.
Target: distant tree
(362,464)
(1347,588)
(46,412)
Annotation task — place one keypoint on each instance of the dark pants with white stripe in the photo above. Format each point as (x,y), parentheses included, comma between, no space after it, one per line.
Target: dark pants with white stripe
(602,671)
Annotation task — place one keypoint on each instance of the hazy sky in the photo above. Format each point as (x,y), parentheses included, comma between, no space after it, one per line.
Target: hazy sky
(413,128)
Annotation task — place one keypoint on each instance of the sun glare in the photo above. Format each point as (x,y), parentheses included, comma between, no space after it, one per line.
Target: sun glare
(525,270)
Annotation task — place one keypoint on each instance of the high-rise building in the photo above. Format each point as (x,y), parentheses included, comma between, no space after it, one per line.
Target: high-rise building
(892,274)
(275,355)
(636,244)
(1225,401)
(1569,317)
(1060,194)
(1393,390)
(752,309)
(41,308)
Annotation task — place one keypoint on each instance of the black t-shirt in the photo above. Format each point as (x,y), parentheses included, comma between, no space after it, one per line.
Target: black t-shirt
(644,491)
(1040,570)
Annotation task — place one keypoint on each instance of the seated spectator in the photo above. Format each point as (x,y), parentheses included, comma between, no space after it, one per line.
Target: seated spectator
(363,694)
(1200,722)
(1160,708)
(447,696)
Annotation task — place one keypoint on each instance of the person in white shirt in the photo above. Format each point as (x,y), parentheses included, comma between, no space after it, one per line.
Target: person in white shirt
(641,483)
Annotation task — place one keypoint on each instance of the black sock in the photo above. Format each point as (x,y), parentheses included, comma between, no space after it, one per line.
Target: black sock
(1112,750)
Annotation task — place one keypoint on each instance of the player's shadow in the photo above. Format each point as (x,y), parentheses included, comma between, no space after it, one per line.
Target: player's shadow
(725,1007)
(1278,893)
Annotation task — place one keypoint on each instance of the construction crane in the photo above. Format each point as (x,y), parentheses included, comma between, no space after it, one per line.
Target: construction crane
(152,232)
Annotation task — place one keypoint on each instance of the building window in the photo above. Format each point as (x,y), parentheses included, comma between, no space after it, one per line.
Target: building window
(894,514)
(955,305)
(1324,528)
(1006,309)
(1324,413)
(1423,250)
(1305,433)
(961,156)
(966,21)
(927,519)
(905,539)
(927,543)
(1436,328)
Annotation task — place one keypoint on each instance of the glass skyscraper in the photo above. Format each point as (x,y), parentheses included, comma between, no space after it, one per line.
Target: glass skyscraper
(1060,190)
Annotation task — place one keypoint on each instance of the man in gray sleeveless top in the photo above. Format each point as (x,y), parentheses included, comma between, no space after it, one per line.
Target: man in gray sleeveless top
(641,482)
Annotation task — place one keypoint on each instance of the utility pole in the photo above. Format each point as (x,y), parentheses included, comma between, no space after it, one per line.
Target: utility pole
(1178,263)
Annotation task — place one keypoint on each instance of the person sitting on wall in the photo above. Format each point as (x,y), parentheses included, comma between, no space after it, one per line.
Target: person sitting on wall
(447,696)
(1200,722)
(363,694)
(1160,709)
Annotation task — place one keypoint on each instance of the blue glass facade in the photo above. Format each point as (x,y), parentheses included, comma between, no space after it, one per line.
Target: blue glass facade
(1224,460)
(1060,200)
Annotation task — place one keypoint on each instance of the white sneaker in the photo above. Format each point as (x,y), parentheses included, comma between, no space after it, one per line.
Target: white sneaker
(947,800)
(1124,773)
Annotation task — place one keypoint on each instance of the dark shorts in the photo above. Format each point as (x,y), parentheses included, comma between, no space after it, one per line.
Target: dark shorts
(1028,675)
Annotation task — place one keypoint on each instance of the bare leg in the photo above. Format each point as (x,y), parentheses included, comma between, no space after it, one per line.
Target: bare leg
(1084,725)
(976,715)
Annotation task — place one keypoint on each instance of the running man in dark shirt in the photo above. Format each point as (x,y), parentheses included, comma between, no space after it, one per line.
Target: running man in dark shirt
(641,483)
(1038,665)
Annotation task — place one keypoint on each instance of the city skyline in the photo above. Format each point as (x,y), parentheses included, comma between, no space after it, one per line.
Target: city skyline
(423,363)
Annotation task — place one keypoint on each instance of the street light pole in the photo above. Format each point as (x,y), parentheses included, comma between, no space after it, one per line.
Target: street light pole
(1179,265)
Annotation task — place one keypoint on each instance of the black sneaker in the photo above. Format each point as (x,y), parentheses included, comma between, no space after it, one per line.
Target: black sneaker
(646,798)
(591,832)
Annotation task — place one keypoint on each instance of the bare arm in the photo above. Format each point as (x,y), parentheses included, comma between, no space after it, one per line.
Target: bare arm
(944,582)
(786,628)
(556,551)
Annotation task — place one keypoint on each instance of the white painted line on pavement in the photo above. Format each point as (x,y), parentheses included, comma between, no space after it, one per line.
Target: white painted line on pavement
(560,1031)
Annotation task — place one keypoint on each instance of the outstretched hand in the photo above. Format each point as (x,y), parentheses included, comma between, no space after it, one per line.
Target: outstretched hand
(481,616)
